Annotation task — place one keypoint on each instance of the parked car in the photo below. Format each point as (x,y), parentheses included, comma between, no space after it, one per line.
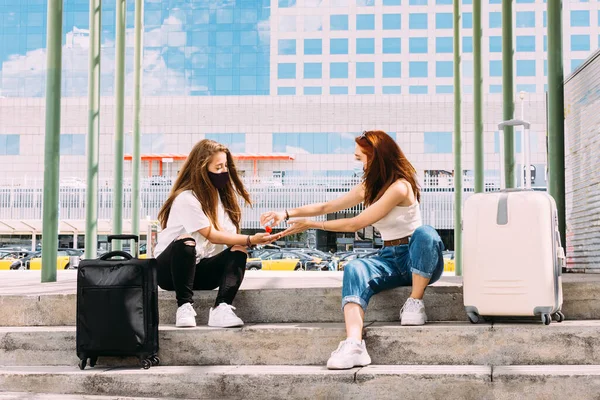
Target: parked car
(15,259)
(353,256)
(285,260)
(63,259)
(449,264)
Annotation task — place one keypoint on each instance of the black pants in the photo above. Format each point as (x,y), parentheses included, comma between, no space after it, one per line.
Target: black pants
(178,271)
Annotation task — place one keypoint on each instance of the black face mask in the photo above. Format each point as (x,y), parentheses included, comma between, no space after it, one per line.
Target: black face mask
(219,180)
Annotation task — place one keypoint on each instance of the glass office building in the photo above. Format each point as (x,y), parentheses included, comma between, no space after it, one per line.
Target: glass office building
(281,77)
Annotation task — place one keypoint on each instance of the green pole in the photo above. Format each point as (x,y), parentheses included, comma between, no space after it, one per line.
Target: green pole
(52,141)
(556,117)
(136,159)
(91,210)
(478,98)
(458,183)
(119,119)
(508,92)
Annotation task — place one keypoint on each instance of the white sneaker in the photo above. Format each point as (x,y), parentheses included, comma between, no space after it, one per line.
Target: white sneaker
(413,312)
(349,354)
(224,317)
(186,316)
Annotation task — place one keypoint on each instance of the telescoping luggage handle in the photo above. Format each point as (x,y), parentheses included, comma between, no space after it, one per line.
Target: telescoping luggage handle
(135,238)
(526,182)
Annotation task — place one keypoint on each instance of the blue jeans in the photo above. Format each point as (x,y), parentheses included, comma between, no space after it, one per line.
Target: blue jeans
(393,267)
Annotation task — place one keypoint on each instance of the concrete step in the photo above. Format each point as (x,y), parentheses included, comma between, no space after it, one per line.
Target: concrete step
(311,382)
(569,343)
(289,298)
(54,396)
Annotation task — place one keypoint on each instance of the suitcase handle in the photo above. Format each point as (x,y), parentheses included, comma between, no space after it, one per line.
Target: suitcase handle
(112,254)
(110,238)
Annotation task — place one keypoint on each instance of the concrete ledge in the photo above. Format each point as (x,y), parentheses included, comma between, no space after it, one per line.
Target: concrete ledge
(257,382)
(272,298)
(305,382)
(50,396)
(572,342)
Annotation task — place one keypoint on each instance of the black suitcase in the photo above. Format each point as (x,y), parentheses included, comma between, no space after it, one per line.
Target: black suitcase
(117,307)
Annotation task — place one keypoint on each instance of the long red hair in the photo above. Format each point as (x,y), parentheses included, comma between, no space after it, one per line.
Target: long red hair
(386,163)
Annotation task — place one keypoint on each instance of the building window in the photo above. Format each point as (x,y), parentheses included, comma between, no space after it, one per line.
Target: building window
(418,2)
(417,89)
(338,22)
(338,70)
(392,21)
(286,47)
(575,64)
(495,89)
(312,90)
(338,46)
(467,43)
(334,90)
(391,2)
(391,90)
(10,145)
(580,18)
(365,70)
(365,90)
(313,23)
(236,142)
(286,71)
(286,91)
(496,68)
(74,144)
(417,21)
(526,43)
(444,89)
(545,43)
(417,45)
(150,143)
(443,2)
(365,46)
(527,88)
(495,20)
(580,42)
(525,19)
(444,44)
(545,19)
(438,142)
(314,143)
(313,46)
(287,3)
(391,46)
(417,69)
(312,71)
(525,67)
(495,44)
(365,22)
(545,67)
(467,69)
(444,69)
(365,3)
(443,21)
(467,20)
(391,69)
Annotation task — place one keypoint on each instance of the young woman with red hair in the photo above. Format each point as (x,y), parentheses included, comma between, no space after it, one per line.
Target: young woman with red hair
(412,252)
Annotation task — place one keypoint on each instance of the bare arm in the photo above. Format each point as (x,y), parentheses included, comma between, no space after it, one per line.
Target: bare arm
(390,199)
(231,239)
(353,197)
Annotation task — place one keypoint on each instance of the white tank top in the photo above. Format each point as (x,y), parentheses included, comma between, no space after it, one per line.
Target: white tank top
(400,222)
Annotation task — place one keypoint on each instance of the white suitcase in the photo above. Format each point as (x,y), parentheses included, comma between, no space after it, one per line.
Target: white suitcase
(512,255)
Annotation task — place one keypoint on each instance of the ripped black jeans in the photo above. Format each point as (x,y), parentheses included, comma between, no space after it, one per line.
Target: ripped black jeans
(178,271)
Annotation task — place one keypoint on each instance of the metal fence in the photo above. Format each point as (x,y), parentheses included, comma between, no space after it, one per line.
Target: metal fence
(22,199)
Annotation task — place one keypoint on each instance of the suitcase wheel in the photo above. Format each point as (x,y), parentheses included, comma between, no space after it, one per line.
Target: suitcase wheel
(154,360)
(146,363)
(474,318)
(559,316)
(546,319)
(82,363)
(93,361)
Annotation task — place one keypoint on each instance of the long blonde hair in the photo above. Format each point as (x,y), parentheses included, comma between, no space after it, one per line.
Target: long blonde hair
(194,176)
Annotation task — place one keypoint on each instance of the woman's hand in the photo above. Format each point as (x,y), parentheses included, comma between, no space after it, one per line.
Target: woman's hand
(298,225)
(277,217)
(264,238)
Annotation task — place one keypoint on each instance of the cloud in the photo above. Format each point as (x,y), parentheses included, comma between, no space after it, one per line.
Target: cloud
(295,150)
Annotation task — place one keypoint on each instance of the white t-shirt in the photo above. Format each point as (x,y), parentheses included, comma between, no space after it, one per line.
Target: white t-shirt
(187,218)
